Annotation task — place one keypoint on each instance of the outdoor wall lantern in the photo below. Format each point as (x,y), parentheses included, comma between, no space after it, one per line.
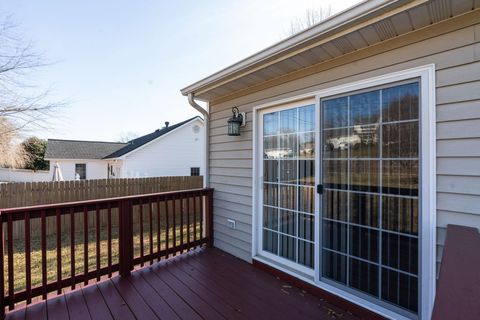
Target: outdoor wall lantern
(234,123)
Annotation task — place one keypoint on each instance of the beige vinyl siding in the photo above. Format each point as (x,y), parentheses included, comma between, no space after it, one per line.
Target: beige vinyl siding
(454,47)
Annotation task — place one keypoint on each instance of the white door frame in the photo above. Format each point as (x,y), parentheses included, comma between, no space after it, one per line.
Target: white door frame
(259,194)
(427,268)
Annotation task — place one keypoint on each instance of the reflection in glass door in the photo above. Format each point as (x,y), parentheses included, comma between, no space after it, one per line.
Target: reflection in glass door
(288,184)
(369,207)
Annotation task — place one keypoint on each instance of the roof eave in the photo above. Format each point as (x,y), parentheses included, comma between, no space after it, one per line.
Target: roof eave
(350,16)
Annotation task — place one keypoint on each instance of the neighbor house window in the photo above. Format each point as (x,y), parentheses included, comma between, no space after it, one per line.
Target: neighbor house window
(195,171)
(80,171)
(370,210)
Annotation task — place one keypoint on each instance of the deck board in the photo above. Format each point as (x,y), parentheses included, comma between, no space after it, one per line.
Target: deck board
(225,308)
(95,303)
(194,301)
(246,304)
(36,311)
(280,296)
(231,282)
(140,309)
(201,284)
(151,297)
(17,314)
(58,306)
(239,302)
(77,306)
(175,302)
(305,304)
(118,308)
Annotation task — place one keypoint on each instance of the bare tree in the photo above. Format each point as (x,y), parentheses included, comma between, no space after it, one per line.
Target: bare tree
(127,136)
(22,105)
(312,16)
(12,154)
(21,102)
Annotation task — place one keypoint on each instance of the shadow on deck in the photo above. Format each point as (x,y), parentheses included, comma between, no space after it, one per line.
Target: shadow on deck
(202,284)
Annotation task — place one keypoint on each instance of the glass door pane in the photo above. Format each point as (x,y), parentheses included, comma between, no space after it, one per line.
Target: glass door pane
(288,184)
(370,173)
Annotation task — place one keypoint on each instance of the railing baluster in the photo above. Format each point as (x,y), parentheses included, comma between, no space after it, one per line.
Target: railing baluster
(72,247)
(85,245)
(174,223)
(188,222)
(209,217)
(159,234)
(167,226)
(141,232)
(44,255)
(109,240)
(202,205)
(28,267)
(59,251)
(11,278)
(97,229)
(195,217)
(151,229)
(182,211)
(2,271)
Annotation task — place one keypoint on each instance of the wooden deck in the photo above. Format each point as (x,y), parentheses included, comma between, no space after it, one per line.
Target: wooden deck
(202,284)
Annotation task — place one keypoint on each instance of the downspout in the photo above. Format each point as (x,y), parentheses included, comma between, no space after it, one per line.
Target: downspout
(206,118)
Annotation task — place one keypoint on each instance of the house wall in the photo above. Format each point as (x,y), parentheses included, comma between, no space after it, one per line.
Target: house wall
(173,154)
(96,169)
(453,46)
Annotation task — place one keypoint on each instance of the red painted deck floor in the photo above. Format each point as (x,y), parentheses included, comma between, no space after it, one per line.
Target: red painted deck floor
(203,284)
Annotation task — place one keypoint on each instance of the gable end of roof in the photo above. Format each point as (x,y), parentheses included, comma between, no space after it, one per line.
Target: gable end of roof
(143,140)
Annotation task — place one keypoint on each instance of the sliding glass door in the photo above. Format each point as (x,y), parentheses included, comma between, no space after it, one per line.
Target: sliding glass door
(370,204)
(288,161)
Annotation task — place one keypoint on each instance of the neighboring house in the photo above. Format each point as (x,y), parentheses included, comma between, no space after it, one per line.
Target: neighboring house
(175,150)
(388,93)
(84,159)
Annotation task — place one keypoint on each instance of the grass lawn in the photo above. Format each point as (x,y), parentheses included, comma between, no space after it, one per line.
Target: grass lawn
(36,254)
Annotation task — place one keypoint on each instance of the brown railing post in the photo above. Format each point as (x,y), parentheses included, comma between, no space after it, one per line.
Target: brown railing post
(209,218)
(2,272)
(125,237)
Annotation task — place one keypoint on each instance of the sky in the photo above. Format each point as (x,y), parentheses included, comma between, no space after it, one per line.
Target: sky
(119,65)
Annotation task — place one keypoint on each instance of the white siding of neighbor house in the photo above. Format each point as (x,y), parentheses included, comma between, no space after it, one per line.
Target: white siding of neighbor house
(96,169)
(173,154)
(455,51)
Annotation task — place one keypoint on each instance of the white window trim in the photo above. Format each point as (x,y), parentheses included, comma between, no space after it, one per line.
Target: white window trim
(426,74)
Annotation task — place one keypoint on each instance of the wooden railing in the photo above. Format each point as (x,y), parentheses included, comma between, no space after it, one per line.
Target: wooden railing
(458,287)
(150,227)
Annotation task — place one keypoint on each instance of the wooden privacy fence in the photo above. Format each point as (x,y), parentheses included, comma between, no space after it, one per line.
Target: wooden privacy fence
(22,194)
(170,223)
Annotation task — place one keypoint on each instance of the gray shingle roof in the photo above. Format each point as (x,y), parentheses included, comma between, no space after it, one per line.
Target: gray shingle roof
(74,149)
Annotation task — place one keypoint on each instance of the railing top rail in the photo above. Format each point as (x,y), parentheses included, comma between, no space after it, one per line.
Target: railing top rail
(102,201)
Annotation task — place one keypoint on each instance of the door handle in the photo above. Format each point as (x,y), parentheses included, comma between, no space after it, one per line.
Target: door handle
(320,188)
